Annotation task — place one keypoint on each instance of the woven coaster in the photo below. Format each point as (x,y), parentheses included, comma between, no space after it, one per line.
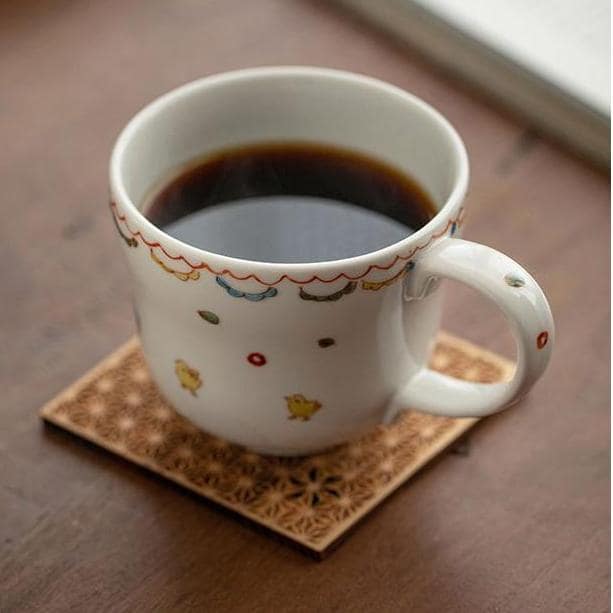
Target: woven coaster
(313,501)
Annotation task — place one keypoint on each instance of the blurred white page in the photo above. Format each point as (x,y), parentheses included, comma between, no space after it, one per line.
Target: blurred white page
(547,60)
(565,42)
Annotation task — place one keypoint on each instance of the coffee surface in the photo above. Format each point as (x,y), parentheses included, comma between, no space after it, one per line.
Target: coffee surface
(289,203)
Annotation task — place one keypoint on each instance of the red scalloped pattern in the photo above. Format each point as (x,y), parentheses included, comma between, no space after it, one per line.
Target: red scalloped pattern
(136,234)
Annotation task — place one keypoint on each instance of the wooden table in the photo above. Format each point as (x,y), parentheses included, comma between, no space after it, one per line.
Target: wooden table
(520,524)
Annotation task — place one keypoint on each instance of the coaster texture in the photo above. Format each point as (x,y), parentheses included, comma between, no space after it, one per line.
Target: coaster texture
(312,501)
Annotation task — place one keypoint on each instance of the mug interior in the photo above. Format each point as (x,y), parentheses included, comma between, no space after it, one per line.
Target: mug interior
(277,105)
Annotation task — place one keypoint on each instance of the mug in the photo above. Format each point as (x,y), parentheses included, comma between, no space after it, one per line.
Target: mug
(290,359)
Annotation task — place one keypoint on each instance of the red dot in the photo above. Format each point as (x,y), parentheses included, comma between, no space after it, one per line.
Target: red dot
(541,339)
(257,359)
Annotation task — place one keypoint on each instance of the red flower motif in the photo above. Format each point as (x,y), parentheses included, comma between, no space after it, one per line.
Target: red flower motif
(256,359)
(541,339)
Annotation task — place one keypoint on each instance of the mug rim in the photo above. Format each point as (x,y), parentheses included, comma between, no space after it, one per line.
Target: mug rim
(452,203)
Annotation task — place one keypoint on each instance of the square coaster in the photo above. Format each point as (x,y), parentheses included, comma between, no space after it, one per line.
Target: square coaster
(312,501)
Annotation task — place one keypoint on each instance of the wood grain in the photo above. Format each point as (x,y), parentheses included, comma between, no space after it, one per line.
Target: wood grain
(520,524)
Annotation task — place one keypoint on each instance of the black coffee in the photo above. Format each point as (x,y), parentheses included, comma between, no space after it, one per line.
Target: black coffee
(290,203)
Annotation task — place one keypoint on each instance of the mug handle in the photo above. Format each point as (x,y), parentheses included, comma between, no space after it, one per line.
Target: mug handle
(523,303)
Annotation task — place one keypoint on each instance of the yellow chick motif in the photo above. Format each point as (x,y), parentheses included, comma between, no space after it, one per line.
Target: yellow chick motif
(189,378)
(301,408)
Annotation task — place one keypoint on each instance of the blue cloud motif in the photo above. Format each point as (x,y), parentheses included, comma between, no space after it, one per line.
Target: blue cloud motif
(235,293)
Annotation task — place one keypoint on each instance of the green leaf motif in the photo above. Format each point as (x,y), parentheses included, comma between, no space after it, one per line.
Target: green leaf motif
(209,316)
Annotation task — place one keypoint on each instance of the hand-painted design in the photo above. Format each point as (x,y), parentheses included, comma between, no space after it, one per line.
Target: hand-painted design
(326,342)
(189,378)
(129,240)
(345,291)
(454,228)
(300,408)
(375,286)
(192,275)
(541,339)
(514,281)
(257,359)
(314,486)
(137,234)
(269,292)
(209,316)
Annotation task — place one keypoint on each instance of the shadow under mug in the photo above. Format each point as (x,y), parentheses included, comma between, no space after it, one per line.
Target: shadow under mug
(293,358)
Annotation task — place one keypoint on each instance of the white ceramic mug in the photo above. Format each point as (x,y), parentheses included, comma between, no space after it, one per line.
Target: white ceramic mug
(290,359)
